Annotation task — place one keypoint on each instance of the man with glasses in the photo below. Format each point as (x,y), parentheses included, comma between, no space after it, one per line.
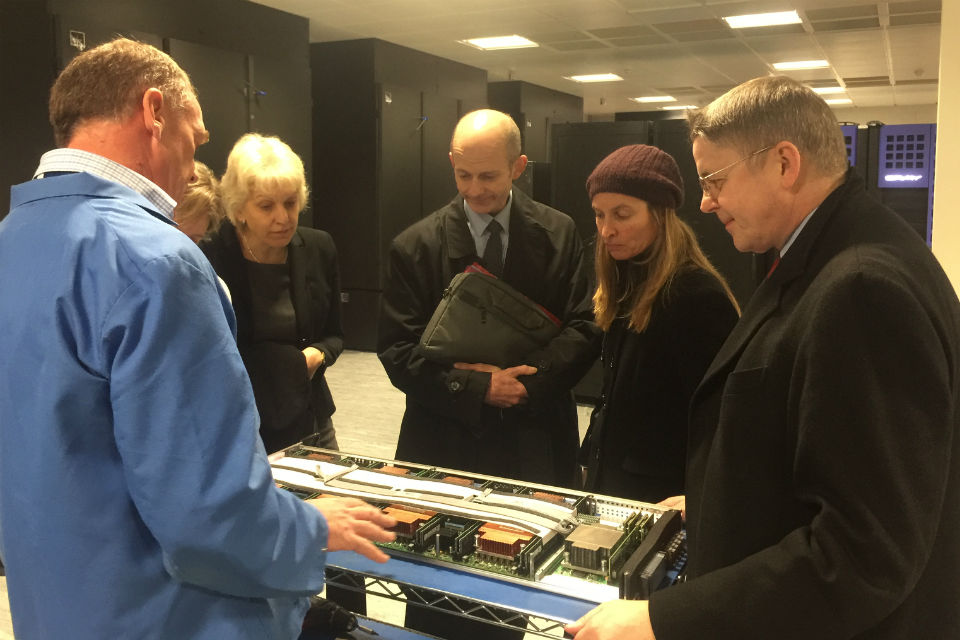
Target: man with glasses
(823,471)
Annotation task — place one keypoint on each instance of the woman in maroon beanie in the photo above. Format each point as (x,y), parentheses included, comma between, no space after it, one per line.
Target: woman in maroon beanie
(665,311)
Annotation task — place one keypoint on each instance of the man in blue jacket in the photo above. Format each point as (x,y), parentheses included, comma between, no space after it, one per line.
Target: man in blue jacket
(135,497)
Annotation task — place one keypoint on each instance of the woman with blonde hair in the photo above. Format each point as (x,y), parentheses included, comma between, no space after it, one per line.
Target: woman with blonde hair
(664,310)
(285,286)
(199,212)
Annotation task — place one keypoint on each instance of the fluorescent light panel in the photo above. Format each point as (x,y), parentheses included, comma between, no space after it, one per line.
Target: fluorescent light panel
(839,101)
(595,77)
(650,99)
(762,19)
(828,90)
(801,64)
(500,42)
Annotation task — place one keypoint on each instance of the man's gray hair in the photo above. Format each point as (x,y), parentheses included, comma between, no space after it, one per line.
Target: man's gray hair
(771,109)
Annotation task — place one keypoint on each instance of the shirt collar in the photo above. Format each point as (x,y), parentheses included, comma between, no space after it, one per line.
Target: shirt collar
(796,232)
(478,221)
(77,160)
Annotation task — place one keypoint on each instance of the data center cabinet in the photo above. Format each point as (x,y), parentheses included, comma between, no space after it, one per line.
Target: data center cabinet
(482,543)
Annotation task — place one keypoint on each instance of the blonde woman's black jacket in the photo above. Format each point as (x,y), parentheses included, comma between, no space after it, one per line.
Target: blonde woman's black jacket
(446,422)
(823,481)
(289,402)
(637,443)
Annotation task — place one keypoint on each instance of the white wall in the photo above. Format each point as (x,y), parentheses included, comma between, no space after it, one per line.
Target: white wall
(946,218)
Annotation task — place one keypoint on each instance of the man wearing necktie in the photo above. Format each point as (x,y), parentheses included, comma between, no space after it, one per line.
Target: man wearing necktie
(519,422)
(823,464)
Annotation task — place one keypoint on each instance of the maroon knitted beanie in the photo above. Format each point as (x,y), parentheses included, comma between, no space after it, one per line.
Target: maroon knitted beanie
(640,171)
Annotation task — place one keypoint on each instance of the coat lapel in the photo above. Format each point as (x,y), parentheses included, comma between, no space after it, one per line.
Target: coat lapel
(528,252)
(769,296)
(298,283)
(458,241)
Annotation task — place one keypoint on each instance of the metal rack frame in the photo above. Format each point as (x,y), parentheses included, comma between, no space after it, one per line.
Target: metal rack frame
(470,596)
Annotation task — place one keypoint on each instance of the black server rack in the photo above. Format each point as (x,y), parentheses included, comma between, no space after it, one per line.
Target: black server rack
(382,120)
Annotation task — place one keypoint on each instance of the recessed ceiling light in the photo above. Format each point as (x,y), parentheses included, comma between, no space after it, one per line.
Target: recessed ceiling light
(801,64)
(595,77)
(828,90)
(678,107)
(839,101)
(500,42)
(648,99)
(762,19)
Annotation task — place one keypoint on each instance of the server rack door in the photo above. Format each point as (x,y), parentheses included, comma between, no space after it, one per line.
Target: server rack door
(220,77)
(280,104)
(440,115)
(398,167)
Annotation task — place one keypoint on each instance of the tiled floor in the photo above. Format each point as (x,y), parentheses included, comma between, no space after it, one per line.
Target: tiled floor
(367,421)
(6,627)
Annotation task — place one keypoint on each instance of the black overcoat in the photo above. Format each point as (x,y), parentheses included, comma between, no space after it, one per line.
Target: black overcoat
(637,443)
(446,422)
(823,481)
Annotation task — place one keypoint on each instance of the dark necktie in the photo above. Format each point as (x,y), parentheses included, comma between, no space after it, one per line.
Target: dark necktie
(493,252)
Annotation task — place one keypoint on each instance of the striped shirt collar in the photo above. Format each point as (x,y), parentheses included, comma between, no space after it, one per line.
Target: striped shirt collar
(77,160)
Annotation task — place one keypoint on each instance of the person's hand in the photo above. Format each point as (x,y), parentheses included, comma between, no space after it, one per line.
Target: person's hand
(505,390)
(676,502)
(614,620)
(314,359)
(352,524)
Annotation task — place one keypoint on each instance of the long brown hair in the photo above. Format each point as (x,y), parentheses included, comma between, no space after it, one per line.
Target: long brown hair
(673,250)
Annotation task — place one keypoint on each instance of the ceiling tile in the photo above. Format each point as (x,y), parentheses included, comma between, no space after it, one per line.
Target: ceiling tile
(623,32)
(867,81)
(718,89)
(915,6)
(561,36)
(798,47)
(855,53)
(581,45)
(775,30)
(701,36)
(916,51)
(846,25)
(640,41)
(915,18)
(687,26)
(841,13)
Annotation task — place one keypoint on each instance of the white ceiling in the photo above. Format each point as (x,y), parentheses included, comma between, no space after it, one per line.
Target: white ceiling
(885,53)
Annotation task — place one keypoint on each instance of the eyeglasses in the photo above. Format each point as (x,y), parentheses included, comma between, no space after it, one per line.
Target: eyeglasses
(711,186)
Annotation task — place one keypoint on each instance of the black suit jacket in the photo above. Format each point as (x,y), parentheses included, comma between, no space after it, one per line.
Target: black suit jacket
(289,402)
(446,422)
(637,443)
(823,481)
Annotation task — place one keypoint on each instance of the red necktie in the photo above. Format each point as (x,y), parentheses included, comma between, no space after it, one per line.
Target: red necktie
(773,266)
